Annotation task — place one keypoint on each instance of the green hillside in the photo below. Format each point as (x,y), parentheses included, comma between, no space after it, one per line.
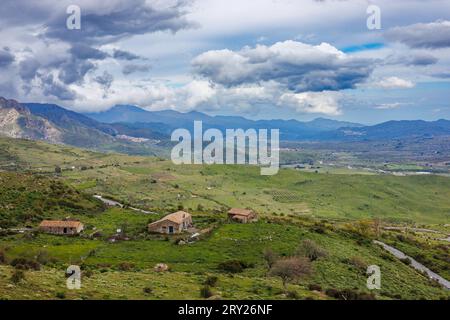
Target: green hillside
(336,212)
(27,199)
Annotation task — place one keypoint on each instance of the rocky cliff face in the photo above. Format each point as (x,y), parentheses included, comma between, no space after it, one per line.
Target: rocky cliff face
(16,121)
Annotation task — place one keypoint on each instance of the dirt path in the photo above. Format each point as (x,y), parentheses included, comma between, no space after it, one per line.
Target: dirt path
(113,203)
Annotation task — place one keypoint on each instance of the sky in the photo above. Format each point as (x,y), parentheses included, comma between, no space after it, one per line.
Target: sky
(261,59)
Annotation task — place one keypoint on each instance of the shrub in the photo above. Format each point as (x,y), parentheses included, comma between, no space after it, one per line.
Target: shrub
(2,257)
(406,261)
(358,263)
(88,273)
(349,294)
(125,266)
(314,287)
(25,264)
(206,292)
(233,266)
(43,257)
(308,248)
(387,256)
(211,281)
(270,256)
(292,294)
(60,295)
(17,276)
(147,290)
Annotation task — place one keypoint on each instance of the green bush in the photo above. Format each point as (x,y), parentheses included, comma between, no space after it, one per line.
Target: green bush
(314,287)
(308,248)
(2,257)
(233,266)
(25,264)
(60,295)
(292,294)
(17,276)
(206,292)
(211,281)
(125,266)
(147,290)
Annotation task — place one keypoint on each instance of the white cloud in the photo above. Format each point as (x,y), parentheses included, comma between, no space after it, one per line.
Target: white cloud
(389,106)
(394,83)
(326,102)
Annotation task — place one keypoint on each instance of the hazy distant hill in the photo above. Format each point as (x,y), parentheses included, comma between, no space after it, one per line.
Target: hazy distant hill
(114,129)
(391,130)
(290,129)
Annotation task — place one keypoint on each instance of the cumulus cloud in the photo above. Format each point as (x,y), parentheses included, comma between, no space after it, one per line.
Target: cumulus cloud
(100,23)
(40,28)
(394,83)
(433,35)
(326,102)
(297,66)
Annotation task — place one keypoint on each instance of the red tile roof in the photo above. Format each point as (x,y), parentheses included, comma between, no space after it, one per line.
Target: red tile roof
(60,224)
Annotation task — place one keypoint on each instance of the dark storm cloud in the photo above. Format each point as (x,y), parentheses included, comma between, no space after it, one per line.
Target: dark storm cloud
(132,68)
(101,23)
(73,71)
(432,35)
(6,57)
(122,19)
(81,51)
(297,66)
(55,89)
(422,60)
(124,55)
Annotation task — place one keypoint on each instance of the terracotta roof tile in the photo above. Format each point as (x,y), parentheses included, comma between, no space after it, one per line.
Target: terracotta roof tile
(60,224)
(240,212)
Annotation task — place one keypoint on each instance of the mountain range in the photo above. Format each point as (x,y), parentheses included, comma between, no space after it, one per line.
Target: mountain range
(117,128)
(168,120)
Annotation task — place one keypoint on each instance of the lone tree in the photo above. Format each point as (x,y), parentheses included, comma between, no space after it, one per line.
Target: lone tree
(290,269)
(308,248)
(270,256)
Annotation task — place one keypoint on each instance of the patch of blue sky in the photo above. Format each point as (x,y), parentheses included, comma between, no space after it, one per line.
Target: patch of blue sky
(363,47)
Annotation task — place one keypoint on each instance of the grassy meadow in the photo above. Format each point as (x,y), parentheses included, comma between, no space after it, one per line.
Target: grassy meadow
(337,212)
